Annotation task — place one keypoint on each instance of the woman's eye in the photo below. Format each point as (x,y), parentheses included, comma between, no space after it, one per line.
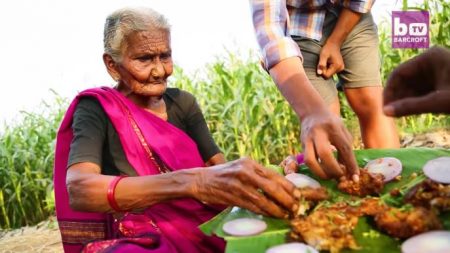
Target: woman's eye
(145,58)
(166,56)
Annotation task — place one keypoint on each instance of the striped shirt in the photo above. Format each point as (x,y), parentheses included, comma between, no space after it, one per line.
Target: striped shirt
(276,20)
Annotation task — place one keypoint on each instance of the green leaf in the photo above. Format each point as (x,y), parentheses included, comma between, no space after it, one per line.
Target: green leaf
(368,237)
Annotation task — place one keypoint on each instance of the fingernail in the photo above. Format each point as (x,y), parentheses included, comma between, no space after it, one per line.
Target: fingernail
(294,208)
(319,72)
(355,178)
(388,110)
(297,193)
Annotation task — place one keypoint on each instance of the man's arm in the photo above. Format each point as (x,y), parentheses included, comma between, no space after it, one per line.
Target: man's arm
(282,58)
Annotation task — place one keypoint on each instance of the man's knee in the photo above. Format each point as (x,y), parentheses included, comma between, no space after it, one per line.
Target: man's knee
(366,101)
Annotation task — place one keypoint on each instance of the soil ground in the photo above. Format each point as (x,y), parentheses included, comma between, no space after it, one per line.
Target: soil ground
(45,236)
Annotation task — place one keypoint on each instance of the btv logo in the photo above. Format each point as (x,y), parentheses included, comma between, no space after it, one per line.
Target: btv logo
(410,29)
(415,29)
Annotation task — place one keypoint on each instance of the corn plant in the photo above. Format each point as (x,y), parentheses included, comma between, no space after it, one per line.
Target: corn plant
(26,164)
(244,110)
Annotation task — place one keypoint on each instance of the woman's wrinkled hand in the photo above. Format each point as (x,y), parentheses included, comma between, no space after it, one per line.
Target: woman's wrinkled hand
(246,184)
(289,164)
(420,85)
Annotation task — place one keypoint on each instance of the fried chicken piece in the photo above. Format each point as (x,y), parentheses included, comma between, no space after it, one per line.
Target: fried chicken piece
(368,184)
(404,224)
(327,228)
(308,199)
(371,207)
(430,194)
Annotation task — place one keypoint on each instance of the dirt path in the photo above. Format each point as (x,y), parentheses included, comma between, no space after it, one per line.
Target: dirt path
(41,238)
(45,236)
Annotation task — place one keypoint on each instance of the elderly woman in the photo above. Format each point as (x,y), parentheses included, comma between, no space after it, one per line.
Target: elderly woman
(130,161)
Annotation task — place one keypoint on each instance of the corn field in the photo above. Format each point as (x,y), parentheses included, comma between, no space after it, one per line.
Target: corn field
(243,108)
(26,165)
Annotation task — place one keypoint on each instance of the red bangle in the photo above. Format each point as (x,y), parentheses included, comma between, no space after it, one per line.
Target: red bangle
(111,190)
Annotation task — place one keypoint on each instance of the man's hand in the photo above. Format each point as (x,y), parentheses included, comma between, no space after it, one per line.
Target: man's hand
(319,131)
(320,127)
(246,184)
(330,60)
(420,85)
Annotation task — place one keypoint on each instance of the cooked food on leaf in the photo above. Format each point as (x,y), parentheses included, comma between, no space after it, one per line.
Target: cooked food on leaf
(389,167)
(327,227)
(430,194)
(368,184)
(331,227)
(325,219)
(406,223)
(309,197)
(244,227)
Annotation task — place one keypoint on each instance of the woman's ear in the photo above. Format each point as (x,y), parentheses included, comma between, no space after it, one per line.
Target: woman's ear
(111,67)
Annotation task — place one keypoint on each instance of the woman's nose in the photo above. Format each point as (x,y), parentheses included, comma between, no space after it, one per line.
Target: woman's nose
(157,70)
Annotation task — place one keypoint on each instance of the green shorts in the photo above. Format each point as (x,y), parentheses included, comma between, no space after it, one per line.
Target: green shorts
(359,51)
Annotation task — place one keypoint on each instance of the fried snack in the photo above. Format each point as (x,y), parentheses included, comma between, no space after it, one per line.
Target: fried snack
(430,194)
(371,207)
(368,184)
(308,198)
(331,227)
(327,228)
(406,223)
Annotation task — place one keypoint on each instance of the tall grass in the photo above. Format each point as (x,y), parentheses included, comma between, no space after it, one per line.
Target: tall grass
(26,164)
(244,110)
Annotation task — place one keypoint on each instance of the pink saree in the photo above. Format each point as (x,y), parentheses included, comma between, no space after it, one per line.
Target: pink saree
(162,228)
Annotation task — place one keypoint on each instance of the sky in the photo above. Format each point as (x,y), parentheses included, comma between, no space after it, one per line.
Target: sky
(58,44)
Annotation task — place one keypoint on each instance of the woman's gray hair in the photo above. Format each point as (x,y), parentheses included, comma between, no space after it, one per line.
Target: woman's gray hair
(123,22)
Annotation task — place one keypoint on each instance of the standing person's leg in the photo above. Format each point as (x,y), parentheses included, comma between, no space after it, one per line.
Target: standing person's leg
(362,85)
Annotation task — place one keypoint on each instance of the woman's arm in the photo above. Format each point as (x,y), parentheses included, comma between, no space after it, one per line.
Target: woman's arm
(88,188)
(235,183)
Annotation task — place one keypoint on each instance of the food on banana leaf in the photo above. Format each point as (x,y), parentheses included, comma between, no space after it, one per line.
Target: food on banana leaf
(308,198)
(430,194)
(330,227)
(406,222)
(327,227)
(410,207)
(389,167)
(244,227)
(368,184)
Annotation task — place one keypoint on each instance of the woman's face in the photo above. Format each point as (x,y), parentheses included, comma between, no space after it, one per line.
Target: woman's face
(146,63)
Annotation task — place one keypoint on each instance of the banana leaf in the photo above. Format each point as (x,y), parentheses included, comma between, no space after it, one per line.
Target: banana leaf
(368,237)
